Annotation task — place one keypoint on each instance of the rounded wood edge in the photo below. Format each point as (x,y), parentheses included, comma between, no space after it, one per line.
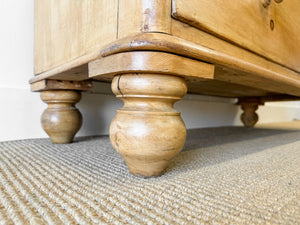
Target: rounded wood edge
(288,79)
(150,62)
(258,68)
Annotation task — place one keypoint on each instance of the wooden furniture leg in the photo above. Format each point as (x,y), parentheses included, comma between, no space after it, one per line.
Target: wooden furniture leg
(148,132)
(249,116)
(61,120)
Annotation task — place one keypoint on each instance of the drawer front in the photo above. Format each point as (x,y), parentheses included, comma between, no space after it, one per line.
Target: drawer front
(270,29)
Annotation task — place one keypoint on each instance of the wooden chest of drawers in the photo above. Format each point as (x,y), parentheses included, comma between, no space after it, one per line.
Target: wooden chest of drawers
(154,51)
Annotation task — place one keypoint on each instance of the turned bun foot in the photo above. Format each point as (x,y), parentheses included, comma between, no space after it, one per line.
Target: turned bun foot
(61,120)
(148,132)
(249,117)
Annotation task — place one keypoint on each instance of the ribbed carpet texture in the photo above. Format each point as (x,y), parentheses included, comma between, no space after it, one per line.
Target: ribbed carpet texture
(229,175)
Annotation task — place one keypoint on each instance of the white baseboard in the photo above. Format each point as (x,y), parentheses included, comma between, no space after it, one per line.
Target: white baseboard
(21,110)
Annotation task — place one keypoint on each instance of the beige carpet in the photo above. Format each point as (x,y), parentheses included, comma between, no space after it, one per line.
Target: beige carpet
(224,176)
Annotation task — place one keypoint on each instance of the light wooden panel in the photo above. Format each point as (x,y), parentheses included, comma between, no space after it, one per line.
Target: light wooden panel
(202,78)
(68,29)
(68,71)
(136,16)
(241,62)
(224,89)
(45,85)
(149,62)
(243,67)
(272,31)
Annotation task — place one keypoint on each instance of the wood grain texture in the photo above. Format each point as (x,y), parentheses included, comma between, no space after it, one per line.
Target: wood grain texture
(61,120)
(148,132)
(225,89)
(136,16)
(249,117)
(245,69)
(246,73)
(76,69)
(277,98)
(69,34)
(200,76)
(271,30)
(148,61)
(45,85)
(68,29)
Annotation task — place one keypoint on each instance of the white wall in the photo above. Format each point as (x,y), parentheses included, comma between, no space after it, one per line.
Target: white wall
(20,109)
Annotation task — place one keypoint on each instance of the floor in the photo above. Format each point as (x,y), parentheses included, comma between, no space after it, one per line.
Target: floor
(226,175)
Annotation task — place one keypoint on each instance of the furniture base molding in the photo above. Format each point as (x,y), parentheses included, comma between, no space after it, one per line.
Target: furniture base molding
(47,84)
(148,132)
(61,120)
(249,117)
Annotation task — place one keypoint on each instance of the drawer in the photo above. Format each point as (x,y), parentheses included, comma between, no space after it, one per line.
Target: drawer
(271,30)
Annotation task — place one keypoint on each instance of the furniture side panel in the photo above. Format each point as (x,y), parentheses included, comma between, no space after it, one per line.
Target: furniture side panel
(136,16)
(272,31)
(68,29)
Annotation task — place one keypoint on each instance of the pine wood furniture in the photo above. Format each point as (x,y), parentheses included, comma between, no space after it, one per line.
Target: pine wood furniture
(154,51)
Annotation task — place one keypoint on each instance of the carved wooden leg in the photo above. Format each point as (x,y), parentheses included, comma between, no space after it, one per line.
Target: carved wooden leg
(249,105)
(249,117)
(148,132)
(61,120)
